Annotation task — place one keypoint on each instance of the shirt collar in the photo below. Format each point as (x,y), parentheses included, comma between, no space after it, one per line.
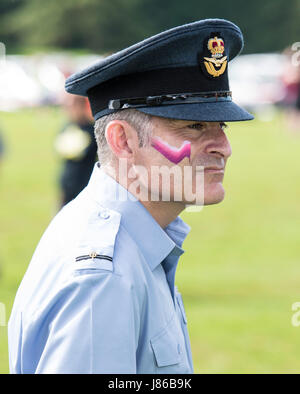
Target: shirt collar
(154,242)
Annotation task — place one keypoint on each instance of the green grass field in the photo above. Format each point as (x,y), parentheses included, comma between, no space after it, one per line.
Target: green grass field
(240,274)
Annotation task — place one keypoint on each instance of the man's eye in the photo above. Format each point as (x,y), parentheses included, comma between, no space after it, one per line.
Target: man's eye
(201,126)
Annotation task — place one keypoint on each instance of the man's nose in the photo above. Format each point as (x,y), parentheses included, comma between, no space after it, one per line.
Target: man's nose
(220,144)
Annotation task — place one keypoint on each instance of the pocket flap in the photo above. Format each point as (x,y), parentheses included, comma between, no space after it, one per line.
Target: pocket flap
(166,347)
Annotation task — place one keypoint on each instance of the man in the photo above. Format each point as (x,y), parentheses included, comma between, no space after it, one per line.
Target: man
(99,294)
(76,145)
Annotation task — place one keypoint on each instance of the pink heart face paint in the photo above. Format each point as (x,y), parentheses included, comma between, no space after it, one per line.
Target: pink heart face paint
(175,155)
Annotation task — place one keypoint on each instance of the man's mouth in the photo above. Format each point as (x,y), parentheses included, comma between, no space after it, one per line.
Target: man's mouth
(218,170)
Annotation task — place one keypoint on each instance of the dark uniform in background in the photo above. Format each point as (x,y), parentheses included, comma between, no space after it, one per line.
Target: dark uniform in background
(77,147)
(298,99)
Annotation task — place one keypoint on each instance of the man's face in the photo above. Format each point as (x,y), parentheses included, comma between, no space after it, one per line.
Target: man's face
(209,151)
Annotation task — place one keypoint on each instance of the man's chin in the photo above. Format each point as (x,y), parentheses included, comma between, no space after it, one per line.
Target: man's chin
(209,199)
(214,195)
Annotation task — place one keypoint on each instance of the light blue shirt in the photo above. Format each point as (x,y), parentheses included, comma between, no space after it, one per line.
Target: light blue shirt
(99,294)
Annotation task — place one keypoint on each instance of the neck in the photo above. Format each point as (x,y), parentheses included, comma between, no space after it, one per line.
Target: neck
(164,212)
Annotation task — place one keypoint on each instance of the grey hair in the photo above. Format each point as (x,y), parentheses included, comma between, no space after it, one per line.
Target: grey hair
(140,121)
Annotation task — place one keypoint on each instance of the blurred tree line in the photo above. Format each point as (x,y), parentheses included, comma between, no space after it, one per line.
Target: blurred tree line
(109,25)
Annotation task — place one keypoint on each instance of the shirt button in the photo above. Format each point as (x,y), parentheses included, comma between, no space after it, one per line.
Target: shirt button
(104,215)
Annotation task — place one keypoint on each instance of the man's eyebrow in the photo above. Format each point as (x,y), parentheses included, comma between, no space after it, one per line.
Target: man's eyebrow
(176,123)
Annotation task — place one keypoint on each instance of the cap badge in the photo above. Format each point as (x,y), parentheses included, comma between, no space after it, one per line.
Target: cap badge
(216,64)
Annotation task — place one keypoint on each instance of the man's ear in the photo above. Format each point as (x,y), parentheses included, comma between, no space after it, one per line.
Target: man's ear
(122,138)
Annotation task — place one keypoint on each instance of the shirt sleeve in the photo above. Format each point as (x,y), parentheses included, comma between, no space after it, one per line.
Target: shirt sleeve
(94,329)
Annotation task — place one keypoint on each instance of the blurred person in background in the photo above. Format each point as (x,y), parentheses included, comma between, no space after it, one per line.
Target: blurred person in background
(77,147)
(298,100)
(291,81)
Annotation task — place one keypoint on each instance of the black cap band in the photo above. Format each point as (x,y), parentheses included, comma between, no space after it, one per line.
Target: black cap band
(169,99)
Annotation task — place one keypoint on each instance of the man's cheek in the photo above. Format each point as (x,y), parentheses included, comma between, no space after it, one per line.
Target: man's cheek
(172,153)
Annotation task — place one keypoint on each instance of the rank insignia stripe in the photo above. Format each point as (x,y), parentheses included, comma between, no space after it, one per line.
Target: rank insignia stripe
(92,263)
(93,256)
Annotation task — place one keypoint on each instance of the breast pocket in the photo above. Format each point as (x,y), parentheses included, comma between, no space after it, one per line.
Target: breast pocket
(167,348)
